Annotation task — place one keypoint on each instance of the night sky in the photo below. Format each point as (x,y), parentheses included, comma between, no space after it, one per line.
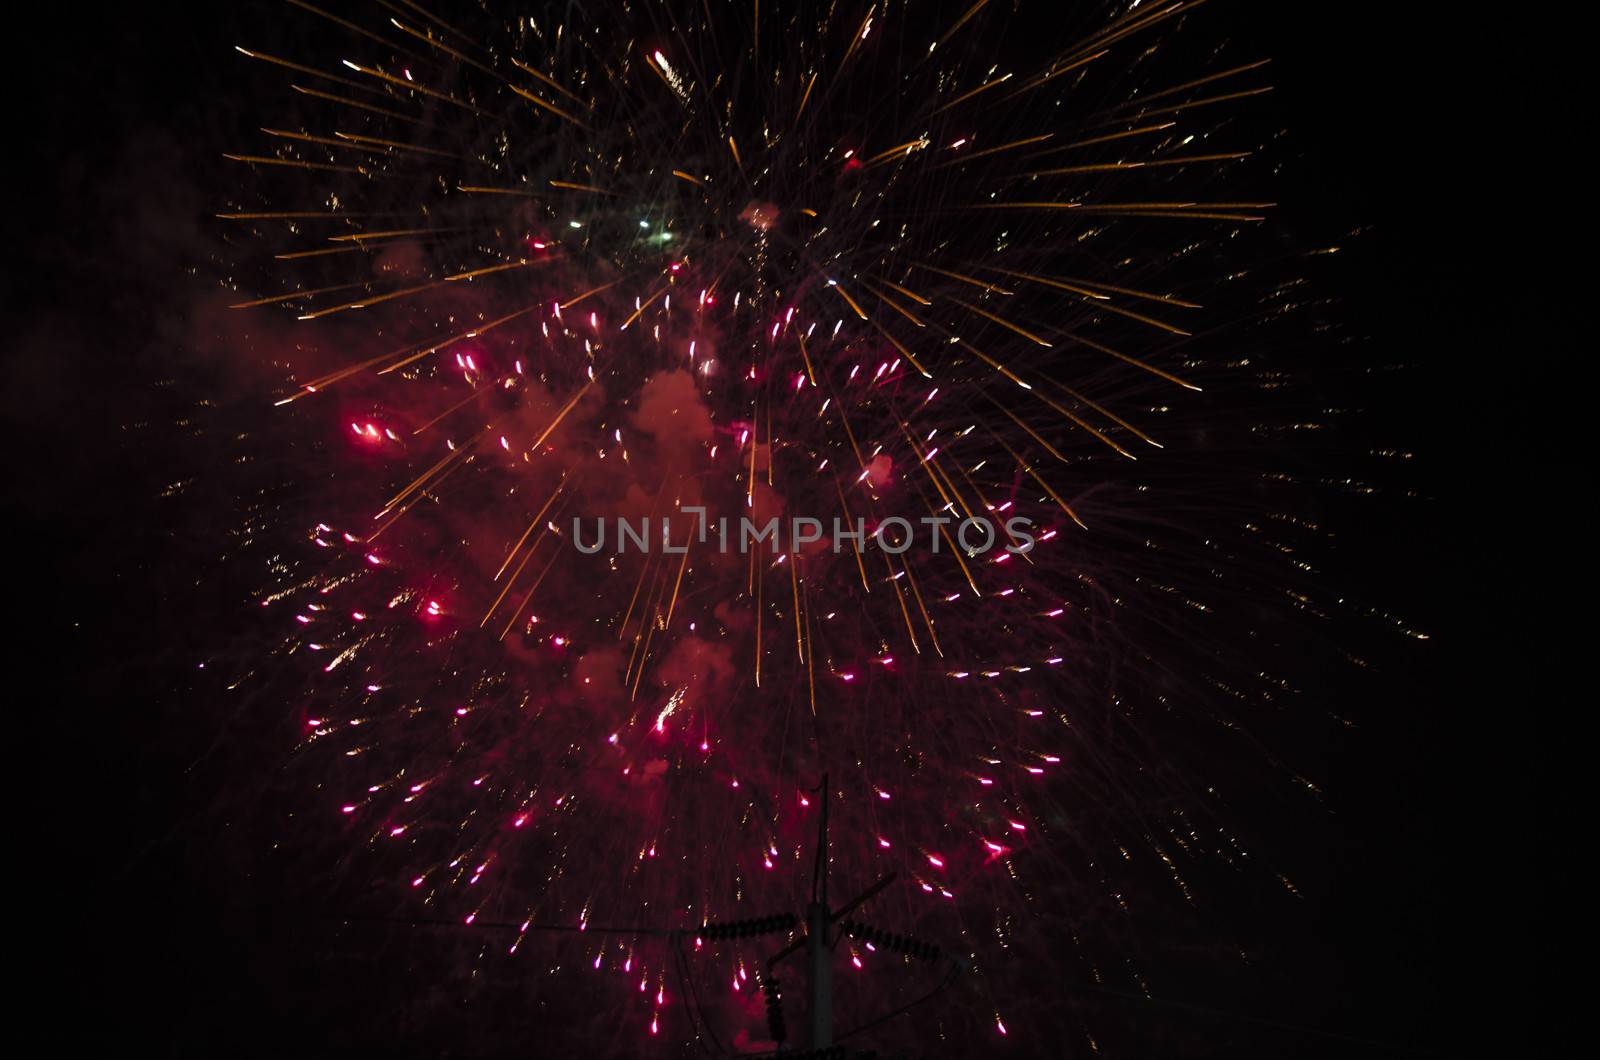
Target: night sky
(173,919)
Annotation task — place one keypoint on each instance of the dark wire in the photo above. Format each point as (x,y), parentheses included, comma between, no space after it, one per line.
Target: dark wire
(692,1001)
(695,1016)
(949,978)
(587,929)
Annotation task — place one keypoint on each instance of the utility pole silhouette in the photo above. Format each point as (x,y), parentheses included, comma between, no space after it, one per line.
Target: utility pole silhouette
(821,936)
(819,942)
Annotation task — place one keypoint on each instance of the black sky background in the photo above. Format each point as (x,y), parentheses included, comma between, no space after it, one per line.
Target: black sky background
(1427,922)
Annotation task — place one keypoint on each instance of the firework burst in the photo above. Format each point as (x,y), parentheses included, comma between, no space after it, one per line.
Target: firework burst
(855,263)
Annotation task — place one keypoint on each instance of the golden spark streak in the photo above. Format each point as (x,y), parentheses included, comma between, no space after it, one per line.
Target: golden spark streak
(325,141)
(325,381)
(899,149)
(1107,138)
(523,603)
(404,292)
(417,483)
(477,189)
(317,253)
(1133,292)
(396,145)
(296,215)
(1132,23)
(292,295)
(988,505)
(1141,318)
(413,86)
(1122,207)
(806,357)
(1130,360)
(934,474)
(291,163)
(470,333)
(1107,413)
(846,295)
(901,347)
(970,156)
(914,296)
(570,186)
(854,545)
(962,21)
(750,482)
(551,107)
(346,101)
(456,407)
(1100,302)
(487,269)
(916,592)
(638,585)
(433,42)
(683,565)
(525,68)
(1002,79)
(1026,466)
(352,27)
(794,585)
(980,284)
(1178,108)
(1186,215)
(584,389)
(855,41)
(949,493)
(1083,291)
(996,365)
(591,291)
(531,524)
(1109,441)
(896,306)
(1051,75)
(506,589)
(1087,288)
(396,514)
(805,98)
(436,20)
(900,595)
(647,628)
(643,306)
(1002,322)
(1108,167)
(286,64)
(356,237)
(650,620)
